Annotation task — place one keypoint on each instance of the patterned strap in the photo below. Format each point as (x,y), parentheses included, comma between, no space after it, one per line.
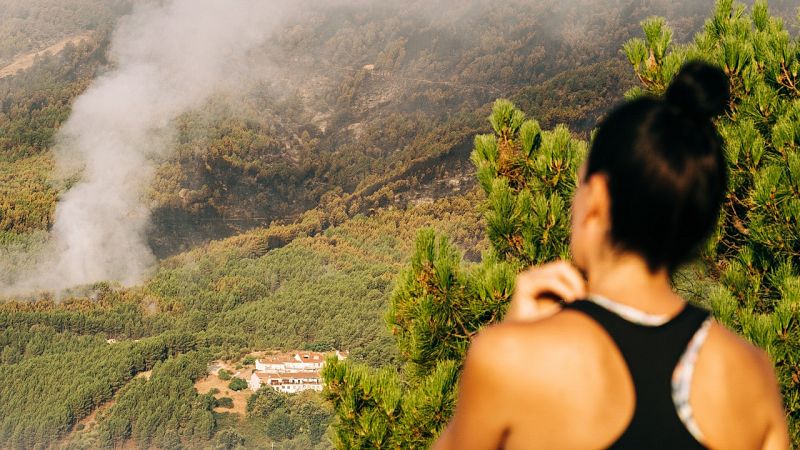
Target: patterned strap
(630,313)
(682,381)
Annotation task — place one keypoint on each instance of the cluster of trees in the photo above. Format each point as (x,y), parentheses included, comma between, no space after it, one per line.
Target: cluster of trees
(33,105)
(44,393)
(37,101)
(120,315)
(327,291)
(163,410)
(298,417)
(18,344)
(749,274)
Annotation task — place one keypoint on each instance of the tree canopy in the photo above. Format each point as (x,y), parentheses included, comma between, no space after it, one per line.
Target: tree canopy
(748,275)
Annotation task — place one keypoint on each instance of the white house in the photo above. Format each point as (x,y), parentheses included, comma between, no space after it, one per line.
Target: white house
(287,382)
(290,372)
(294,362)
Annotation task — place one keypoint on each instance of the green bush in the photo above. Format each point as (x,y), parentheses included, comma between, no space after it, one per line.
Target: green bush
(237,384)
(265,401)
(224,402)
(281,426)
(228,439)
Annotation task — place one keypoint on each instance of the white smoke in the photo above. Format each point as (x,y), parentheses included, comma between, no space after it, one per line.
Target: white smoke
(169,57)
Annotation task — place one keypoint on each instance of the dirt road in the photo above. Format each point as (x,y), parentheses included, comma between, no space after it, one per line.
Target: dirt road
(26,61)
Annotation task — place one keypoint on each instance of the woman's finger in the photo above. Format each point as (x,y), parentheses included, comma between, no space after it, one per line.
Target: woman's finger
(535,288)
(573,278)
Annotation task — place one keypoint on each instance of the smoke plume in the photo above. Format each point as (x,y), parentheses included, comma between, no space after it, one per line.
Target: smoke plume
(169,57)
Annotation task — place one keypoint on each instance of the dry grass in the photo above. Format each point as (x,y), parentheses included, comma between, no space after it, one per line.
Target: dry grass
(213,381)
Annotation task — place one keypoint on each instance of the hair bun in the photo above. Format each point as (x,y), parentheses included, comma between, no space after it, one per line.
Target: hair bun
(699,90)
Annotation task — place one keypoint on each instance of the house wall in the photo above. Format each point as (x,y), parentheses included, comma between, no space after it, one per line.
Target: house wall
(254,383)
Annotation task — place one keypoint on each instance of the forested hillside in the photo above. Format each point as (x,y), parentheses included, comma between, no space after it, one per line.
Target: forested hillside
(355,100)
(289,207)
(32,25)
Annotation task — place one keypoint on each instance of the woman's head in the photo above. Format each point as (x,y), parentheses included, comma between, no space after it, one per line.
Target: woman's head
(655,175)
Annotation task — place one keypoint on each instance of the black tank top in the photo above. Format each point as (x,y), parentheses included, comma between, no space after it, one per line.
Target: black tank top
(651,354)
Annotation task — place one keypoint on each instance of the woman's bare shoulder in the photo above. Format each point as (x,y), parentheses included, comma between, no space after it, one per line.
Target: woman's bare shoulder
(732,354)
(553,350)
(552,376)
(735,387)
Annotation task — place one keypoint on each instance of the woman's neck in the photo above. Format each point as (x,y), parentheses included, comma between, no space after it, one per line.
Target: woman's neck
(627,279)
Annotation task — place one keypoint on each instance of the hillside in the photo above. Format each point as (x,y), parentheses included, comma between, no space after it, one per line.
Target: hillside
(24,62)
(238,295)
(285,208)
(31,26)
(284,146)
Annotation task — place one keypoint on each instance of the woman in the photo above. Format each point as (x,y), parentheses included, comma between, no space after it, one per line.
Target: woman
(630,365)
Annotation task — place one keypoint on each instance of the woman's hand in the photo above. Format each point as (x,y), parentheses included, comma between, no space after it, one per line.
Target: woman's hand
(539,289)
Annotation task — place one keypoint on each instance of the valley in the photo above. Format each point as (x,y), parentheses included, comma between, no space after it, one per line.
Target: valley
(321,192)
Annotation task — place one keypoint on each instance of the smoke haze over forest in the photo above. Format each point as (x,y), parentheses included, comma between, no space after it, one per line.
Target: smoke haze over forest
(188,185)
(169,58)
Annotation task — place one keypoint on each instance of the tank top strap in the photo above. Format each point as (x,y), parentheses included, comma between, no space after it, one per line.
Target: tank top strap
(651,352)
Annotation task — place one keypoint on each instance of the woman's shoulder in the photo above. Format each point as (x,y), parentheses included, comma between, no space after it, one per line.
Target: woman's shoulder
(559,349)
(555,373)
(733,367)
(734,387)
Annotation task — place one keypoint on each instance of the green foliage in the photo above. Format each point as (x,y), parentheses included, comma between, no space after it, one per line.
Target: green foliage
(290,415)
(224,375)
(46,392)
(237,384)
(229,439)
(435,293)
(265,401)
(223,402)
(150,410)
(281,426)
(756,250)
(529,177)
(376,410)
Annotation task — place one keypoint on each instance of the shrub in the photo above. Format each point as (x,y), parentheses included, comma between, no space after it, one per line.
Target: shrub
(237,384)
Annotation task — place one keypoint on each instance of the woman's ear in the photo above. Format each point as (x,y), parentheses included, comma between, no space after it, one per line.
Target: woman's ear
(598,201)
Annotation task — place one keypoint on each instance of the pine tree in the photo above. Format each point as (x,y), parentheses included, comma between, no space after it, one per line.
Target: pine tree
(749,275)
(753,260)
(440,302)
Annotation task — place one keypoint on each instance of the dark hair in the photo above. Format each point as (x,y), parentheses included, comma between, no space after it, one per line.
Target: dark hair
(665,168)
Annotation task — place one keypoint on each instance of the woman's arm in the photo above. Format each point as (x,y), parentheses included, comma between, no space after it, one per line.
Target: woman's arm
(777,437)
(479,421)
